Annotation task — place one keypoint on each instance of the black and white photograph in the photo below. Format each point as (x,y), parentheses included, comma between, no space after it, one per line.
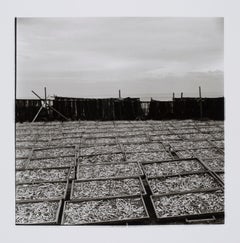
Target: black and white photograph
(119,121)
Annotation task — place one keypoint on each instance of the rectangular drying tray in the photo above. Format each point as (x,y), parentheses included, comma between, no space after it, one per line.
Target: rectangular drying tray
(46,199)
(112,177)
(115,221)
(143,191)
(45,223)
(216,180)
(204,168)
(39,181)
(186,216)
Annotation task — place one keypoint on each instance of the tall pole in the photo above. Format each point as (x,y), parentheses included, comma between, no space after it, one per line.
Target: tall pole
(200,96)
(173,98)
(119,93)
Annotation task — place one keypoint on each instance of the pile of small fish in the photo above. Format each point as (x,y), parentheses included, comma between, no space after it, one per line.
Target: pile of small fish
(101,158)
(93,141)
(207,153)
(50,162)
(185,154)
(185,131)
(215,163)
(86,212)
(101,161)
(103,149)
(159,132)
(164,137)
(107,134)
(41,191)
(172,168)
(21,163)
(148,156)
(219,144)
(221,175)
(133,139)
(106,188)
(37,213)
(40,175)
(196,136)
(143,147)
(182,183)
(185,145)
(218,135)
(53,152)
(130,133)
(189,204)
(108,170)
(23,152)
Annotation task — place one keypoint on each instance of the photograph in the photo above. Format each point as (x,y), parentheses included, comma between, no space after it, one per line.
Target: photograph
(119,121)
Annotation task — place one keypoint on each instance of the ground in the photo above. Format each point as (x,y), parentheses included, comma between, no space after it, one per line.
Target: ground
(120,172)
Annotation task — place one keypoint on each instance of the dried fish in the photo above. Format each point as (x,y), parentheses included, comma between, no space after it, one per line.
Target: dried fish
(40,175)
(133,139)
(207,153)
(96,141)
(182,183)
(172,168)
(188,204)
(221,175)
(164,137)
(214,163)
(131,133)
(185,145)
(100,150)
(108,170)
(36,213)
(185,130)
(209,129)
(21,163)
(23,152)
(98,211)
(53,152)
(41,191)
(196,136)
(50,162)
(144,147)
(148,156)
(219,143)
(159,132)
(106,188)
(101,158)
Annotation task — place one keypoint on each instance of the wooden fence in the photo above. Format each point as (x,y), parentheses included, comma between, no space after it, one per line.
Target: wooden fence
(121,109)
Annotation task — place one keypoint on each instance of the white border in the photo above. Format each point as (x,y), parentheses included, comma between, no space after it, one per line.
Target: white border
(73,8)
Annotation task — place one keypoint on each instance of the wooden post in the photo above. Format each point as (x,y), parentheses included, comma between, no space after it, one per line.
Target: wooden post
(200,96)
(45,93)
(173,102)
(182,105)
(119,93)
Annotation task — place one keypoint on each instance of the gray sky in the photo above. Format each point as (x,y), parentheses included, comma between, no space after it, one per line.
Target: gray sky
(144,57)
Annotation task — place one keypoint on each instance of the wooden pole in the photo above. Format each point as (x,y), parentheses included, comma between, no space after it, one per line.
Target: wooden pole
(173,98)
(45,94)
(200,96)
(37,114)
(181,95)
(119,93)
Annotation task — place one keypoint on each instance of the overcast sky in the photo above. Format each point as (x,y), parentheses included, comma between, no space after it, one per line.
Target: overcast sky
(144,57)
